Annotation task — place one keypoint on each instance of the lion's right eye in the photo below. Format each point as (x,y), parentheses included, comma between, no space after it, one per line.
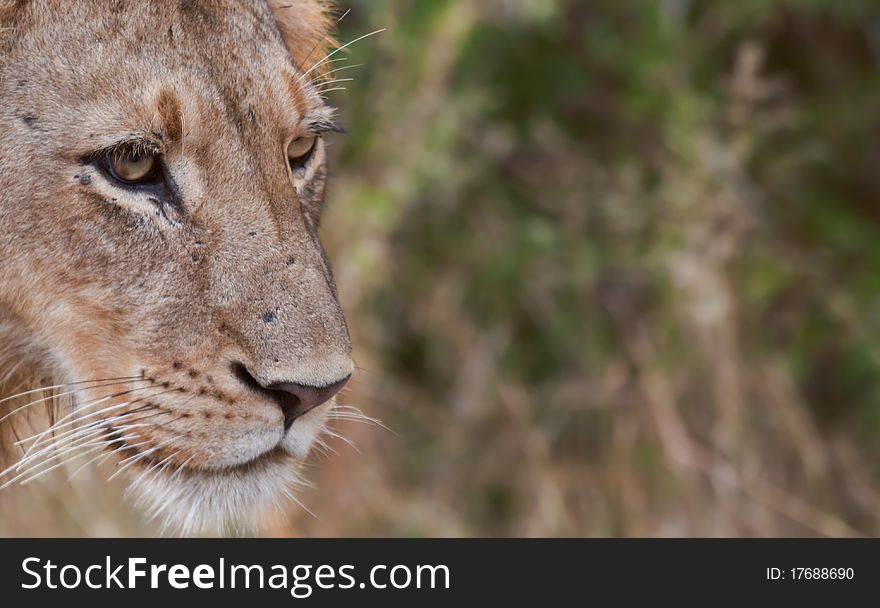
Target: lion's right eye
(300,150)
(134,167)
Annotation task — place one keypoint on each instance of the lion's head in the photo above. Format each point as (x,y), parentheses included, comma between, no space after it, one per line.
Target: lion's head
(162,172)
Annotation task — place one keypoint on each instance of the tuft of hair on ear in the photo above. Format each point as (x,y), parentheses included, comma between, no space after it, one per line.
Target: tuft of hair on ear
(307,28)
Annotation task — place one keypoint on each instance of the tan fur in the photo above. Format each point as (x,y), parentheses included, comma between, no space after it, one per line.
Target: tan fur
(100,282)
(306,27)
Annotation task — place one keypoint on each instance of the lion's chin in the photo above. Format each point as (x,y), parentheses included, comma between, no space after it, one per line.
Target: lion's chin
(193,501)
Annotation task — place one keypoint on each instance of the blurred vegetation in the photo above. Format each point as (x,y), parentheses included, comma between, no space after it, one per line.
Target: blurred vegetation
(610,268)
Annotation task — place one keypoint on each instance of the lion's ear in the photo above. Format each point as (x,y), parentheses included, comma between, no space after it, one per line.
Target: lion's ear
(307,27)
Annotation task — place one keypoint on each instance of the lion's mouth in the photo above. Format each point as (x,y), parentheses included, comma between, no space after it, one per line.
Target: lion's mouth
(180,466)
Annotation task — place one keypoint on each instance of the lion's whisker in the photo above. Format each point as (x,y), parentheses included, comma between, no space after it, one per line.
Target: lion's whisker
(77,452)
(75,435)
(64,420)
(339,69)
(67,384)
(95,430)
(324,447)
(349,412)
(338,49)
(141,455)
(37,435)
(351,443)
(90,442)
(104,426)
(37,460)
(156,468)
(43,472)
(80,452)
(324,83)
(100,458)
(57,396)
(290,495)
(181,467)
(37,438)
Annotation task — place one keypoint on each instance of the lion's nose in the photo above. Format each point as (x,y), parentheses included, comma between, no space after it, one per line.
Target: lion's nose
(303,398)
(294,398)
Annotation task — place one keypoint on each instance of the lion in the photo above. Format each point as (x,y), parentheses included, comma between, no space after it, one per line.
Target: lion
(163,288)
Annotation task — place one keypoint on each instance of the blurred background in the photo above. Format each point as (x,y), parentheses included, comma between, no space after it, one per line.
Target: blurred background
(610,268)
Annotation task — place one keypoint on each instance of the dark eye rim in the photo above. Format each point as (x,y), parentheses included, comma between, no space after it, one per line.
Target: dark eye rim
(300,162)
(104,162)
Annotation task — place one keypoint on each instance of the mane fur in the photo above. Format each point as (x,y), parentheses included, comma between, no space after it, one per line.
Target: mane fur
(22,368)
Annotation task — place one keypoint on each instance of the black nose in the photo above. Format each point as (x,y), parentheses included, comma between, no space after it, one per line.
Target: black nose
(293,398)
(301,398)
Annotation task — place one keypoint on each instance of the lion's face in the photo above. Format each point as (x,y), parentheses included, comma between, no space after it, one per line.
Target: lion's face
(162,174)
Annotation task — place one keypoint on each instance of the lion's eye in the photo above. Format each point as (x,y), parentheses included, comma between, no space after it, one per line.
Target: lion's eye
(134,167)
(300,150)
